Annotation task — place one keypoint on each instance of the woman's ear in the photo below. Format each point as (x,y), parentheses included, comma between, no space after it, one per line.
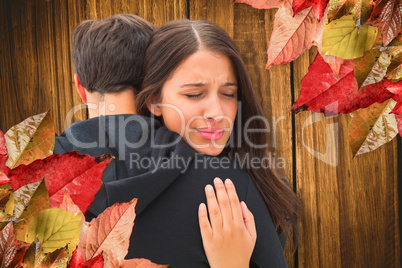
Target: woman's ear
(153,106)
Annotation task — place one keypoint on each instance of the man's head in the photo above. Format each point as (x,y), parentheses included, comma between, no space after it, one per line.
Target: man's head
(108,54)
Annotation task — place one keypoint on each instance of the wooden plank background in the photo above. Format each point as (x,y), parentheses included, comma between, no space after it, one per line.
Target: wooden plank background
(350,216)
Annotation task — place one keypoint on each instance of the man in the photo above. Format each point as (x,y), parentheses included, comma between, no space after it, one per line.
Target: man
(108,57)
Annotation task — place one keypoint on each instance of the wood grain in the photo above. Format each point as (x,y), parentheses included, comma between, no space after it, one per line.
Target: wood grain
(350,204)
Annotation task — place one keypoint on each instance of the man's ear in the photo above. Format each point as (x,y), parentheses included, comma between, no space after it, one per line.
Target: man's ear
(153,106)
(81,90)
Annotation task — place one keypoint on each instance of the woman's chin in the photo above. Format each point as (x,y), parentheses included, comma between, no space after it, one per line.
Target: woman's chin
(210,150)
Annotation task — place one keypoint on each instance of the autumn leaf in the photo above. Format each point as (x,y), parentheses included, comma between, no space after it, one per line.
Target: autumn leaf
(35,258)
(293,35)
(334,62)
(371,67)
(323,91)
(68,204)
(29,200)
(77,261)
(394,71)
(3,148)
(96,262)
(371,127)
(7,206)
(141,263)
(11,250)
(4,170)
(55,228)
(263,4)
(82,182)
(35,195)
(4,197)
(318,6)
(387,16)
(29,140)
(399,121)
(342,39)
(360,9)
(109,233)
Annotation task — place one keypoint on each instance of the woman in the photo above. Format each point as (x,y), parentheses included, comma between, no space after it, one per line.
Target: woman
(193,79)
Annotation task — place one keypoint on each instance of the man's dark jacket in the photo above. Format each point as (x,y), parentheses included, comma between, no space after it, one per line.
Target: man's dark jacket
(169,183)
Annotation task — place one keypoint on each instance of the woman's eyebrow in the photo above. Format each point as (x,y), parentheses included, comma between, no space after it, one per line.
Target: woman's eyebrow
(230,84)
(227,84)
(194,85)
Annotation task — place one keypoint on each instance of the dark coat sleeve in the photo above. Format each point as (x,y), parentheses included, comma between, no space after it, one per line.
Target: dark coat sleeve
(267,251)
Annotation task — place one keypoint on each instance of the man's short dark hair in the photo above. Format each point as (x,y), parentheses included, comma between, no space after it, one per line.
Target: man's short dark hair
(108,54)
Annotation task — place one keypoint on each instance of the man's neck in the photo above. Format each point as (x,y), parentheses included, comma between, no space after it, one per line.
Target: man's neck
(111,103)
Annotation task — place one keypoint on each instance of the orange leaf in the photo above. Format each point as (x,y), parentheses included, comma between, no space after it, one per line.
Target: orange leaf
(68,204)
(109,233)
(293,35)
(141,263)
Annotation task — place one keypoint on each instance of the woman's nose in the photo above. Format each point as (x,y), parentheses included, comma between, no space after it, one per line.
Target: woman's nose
(213,109)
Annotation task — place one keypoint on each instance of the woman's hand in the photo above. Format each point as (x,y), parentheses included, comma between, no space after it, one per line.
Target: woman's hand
(229,235)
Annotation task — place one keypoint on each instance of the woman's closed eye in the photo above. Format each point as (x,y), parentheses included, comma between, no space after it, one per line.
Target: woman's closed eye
(229,95)
(193,96)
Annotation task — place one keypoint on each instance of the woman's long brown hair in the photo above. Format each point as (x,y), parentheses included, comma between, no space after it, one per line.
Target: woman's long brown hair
(168,48)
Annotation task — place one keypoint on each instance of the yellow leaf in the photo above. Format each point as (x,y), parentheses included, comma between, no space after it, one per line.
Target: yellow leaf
(55,229)
(29,140)
(341,38)
(371,127)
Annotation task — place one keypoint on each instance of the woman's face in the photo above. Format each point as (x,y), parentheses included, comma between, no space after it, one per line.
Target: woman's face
(199,101)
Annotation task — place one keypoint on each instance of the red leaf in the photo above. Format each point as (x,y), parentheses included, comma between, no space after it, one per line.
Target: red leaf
(82,181)
(96,262)
(141,263)
(262,4)
(399,120)
(77,261)
(322,91)
(12,251)
(396,90)
(318,6)
(387,16)
(3,148)
(4,170)
(109,233)
(293,35)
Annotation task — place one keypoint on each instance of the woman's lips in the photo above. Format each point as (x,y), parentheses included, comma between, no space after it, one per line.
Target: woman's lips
(210,134)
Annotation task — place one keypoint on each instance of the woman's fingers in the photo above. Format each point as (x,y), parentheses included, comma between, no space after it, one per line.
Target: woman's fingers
(223,201)
(205,226)
(213,208)
(234,201)
(248,219)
